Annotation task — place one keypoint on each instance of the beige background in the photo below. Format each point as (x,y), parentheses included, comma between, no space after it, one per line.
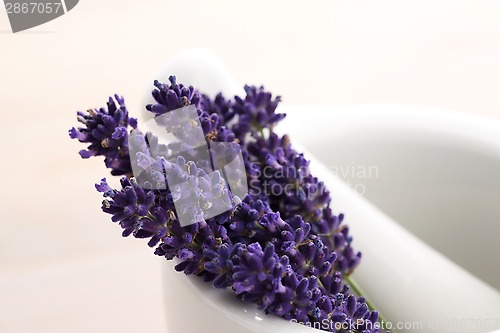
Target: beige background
(63,265)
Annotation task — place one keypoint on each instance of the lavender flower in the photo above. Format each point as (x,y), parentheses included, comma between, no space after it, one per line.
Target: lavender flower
(256,112)
(213,115)
(284,250)
(258,273)
(292,190)
(220,262)
(132,207)
(107,132)
(219,105)
(172,97)
(286,178)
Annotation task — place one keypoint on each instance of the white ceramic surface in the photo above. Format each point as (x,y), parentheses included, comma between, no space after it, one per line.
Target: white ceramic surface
(406,278)
(433,171)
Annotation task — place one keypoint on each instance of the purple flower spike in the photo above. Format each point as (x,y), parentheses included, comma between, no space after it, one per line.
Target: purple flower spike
(172,96)
(280,247)
(107,132)
(256,111)
(258,273)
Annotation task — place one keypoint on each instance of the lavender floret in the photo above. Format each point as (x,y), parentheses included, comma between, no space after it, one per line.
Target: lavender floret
(106,129)
(257,111)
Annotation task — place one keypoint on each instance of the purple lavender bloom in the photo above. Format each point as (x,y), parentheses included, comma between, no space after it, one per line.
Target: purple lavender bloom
(220,106)
(292,190)
(213,114)
(107,132)
(286,178)
(283,250)
(220,262)
(256,111)
(172,97)
(300,298)
(257,275)
(202,249)
(132,208)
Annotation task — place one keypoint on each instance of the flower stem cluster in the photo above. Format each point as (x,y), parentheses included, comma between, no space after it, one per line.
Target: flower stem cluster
(280,247)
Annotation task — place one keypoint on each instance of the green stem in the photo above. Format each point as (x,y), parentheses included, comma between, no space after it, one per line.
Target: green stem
(357,289)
